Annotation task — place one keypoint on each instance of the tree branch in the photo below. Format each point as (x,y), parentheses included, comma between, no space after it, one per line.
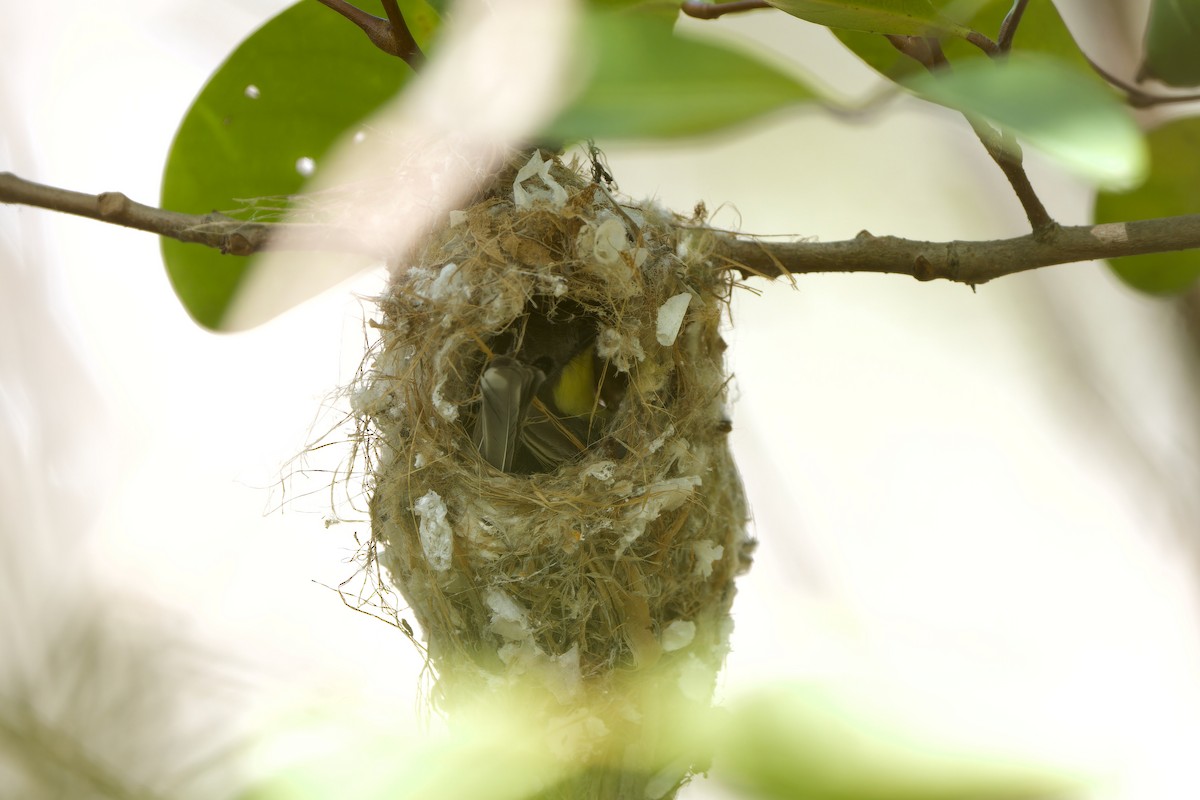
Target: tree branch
(390,35)
(231,236)
(983,43)
(1005,151)
(1008,28)
(970,262)
(702,10)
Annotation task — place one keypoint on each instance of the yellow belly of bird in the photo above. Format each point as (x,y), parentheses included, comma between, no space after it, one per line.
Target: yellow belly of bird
(575,390)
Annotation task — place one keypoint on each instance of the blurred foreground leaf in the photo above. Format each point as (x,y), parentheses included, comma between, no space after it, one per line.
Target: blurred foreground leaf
(645,82)
(1042,31)
(264,120)
(494,758)
(786,741)
(1053,107)
(1172,188)
(801,741)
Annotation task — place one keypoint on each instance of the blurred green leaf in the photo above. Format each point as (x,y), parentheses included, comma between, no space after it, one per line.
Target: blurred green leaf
(903,17)
(1172,188)
(786,740)
(1173,43)
(799,741)
(1041,31)
(645,82)
(287,93)
(661,8)
(1055,108)
(486,756)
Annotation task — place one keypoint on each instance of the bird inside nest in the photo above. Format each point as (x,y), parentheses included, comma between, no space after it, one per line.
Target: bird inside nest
(545,395)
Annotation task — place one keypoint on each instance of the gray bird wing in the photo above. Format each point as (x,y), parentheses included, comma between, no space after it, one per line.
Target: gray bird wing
(507,387)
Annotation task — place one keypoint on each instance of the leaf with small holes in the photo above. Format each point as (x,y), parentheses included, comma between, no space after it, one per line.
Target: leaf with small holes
(263,122)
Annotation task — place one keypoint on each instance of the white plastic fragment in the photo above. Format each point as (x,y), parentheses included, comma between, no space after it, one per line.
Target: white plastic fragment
(670,318)
(566,677)
(610,240)
(678,634)
(660,440)
(437,538)
(707,553)
(603,471)
(550,192)
(444,286)
(508,618)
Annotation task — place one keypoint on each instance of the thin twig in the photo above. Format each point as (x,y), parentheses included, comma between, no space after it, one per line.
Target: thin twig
(702,10)
(961,261)
(391,35)
(401,34)
(1008,28)
(1005,151)
(1135,95)
(1002,147)
(983,43)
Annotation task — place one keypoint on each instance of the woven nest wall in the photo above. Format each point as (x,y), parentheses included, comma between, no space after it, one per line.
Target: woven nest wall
(615,564)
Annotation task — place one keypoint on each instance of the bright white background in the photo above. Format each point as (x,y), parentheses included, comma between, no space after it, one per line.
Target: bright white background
(980,506)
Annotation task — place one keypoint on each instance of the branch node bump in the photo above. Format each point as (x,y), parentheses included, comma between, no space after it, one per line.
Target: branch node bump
(1047,232)
(237,245)
(109,204)
(923,269)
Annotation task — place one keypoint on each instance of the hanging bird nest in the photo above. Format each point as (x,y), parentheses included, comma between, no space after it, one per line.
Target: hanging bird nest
(618,564)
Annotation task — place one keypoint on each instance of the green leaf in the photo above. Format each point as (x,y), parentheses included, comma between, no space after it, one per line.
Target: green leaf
(1173,43)
(287,93)
(1172,188)
(902,17)
(1055,108)
(321,757)
(655,7)
(645,82)
(1041,31)
(798,741)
